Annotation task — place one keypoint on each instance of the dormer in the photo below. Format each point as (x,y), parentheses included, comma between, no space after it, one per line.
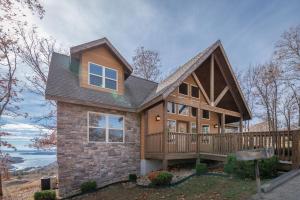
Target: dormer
(102,67)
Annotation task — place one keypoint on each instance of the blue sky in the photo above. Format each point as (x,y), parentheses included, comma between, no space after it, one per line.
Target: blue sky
(176,29)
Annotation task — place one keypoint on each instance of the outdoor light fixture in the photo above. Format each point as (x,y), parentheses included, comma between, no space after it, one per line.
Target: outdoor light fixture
(157,118)
(216,126)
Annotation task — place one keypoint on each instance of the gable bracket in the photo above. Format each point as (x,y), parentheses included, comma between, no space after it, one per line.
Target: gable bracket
(228,84)
(221,95)
(212,79)
(201,88)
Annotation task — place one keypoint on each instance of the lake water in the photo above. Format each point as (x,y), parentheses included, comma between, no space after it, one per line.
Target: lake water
(31,156)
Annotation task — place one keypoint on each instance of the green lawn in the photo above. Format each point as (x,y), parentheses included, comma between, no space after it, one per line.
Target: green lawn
(202,187)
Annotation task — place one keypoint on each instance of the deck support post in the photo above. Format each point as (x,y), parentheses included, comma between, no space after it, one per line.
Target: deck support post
(165,136)
(223,123)
(165,164)
(198,160)
(198,129)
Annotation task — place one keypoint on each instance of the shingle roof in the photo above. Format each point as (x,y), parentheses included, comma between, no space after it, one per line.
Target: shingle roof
(64,84)
(181,73)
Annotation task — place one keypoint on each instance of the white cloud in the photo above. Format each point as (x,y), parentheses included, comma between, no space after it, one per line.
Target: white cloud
(24,129)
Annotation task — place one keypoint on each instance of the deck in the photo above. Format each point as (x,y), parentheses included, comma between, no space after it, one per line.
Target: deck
(171,146)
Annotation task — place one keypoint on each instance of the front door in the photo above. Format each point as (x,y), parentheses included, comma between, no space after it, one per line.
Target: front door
(182,127)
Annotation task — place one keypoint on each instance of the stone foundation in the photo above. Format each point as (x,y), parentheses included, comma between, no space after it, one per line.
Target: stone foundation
(80,161)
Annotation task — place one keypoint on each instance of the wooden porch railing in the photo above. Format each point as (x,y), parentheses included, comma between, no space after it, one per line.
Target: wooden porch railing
(285,143)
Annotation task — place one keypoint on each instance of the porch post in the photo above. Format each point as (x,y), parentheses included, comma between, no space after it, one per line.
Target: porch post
(198,129)
(223,123)
(219,124)
(165,136)
(241,124)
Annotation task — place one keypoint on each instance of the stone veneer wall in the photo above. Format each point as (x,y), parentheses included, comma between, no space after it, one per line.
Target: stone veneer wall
(80,161)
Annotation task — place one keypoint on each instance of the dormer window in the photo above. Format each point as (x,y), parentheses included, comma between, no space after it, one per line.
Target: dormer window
(101,76)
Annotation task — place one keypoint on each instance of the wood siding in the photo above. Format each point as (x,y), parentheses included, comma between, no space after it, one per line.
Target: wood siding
(153,125)
(194,102)
(102,56)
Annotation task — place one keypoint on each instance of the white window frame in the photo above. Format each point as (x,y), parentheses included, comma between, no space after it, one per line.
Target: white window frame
(192,85)
(175,104)
(202,128)
(106,127)
(181,113)
(172,138)
(188,89)
(191,126)
(103,76)
(172,120)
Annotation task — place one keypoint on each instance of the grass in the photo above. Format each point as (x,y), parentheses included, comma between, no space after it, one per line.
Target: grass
(198,187)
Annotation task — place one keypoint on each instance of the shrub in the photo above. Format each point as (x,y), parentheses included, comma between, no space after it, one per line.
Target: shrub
(132,177)
(45,195)
(160,178)
(88,186)
(230,165)
(268,167)
(246,169)
(201,168)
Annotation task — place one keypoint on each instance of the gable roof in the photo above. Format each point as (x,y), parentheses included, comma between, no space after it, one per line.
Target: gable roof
(167,86)
(139,93)
(63,85)
(76,50)
(177,77)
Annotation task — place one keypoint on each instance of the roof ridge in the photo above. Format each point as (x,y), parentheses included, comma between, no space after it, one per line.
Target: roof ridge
(197,56)
(144,79)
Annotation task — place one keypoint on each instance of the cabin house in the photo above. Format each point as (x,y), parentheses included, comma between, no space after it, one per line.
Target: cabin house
(111,123)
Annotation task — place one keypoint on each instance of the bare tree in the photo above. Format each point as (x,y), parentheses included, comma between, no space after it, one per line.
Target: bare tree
(267,82)
(146,64)
(246,81)
(36,52)
(287,53)
(11,14)
(288,109)
(8,89)
(287,49)
(13,10)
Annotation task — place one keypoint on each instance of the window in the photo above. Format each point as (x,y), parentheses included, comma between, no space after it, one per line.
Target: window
(95,75)
(195,91)
(183,89)
(205,128)
(194,112)
(171,125)
(183,109)
(105,127)
(205,114)
(171,107)
(193,127)
(194,130)
(206,139)
(102,76)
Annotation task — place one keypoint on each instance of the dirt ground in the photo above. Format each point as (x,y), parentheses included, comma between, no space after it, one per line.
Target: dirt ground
(24,185)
